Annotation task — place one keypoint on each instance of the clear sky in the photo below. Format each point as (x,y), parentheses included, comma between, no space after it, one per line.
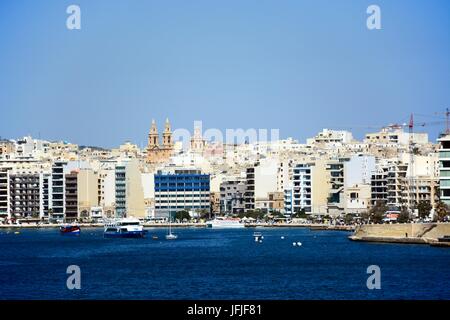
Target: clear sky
(295,65)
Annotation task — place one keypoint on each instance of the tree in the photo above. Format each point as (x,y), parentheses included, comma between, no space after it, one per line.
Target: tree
(377,212)
(300,214)
(348,218)
(403,217)
(424,208)
(365,216)
(441,210)
(182,215)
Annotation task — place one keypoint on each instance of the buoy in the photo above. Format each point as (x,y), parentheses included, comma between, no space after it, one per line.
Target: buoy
(294,244)
(299,244)
(262,237)
(282,237)
(260,241)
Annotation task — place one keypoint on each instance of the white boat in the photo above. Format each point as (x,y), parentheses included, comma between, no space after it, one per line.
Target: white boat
(124,228)
(225,222)
(258,236)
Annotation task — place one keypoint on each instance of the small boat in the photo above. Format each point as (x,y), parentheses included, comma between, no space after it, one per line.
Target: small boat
(155,237)
(258,236)
(124,228)
(170,235)
(70,229)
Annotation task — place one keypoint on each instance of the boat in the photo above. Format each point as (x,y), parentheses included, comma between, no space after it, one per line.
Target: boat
(258,236)
(170,235)
(225,222)
(124,228)
(70,229)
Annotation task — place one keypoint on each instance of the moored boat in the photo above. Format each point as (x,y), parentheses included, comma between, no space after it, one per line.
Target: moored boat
(225,222)
(70,229)
(124,228)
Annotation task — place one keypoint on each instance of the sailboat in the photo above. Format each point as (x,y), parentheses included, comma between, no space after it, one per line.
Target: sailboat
(170,235)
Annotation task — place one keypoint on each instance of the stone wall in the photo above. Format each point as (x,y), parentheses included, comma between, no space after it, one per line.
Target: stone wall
(424,231)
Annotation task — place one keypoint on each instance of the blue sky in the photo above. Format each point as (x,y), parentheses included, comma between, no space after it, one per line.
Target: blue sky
(297,65)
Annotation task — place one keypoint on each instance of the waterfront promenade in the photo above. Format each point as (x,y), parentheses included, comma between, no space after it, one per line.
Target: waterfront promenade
(314,226)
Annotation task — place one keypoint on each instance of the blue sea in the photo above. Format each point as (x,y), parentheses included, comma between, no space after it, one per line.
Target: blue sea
(217,264)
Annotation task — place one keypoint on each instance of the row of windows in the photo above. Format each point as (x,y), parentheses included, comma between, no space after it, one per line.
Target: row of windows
(175,202)
(195,195)
(188,177)
(181,207)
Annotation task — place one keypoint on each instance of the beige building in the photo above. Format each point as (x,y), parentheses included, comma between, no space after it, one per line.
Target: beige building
(321,187)
(6,147)
(394,134)
(87,189)
(129,190)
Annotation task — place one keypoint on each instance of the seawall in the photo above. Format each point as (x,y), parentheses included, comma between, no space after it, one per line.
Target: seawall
(425,233)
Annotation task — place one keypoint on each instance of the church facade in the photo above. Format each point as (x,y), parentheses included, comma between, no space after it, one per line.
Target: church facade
(157,153)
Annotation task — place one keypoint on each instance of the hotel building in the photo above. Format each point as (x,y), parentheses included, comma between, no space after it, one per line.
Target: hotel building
(181,189)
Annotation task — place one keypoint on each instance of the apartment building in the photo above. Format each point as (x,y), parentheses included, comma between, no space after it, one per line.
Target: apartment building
(395,135)
(232,193)
(444,168)
(129,193)
(71,196)
(397,186)
(4,193)
(261,180)
(336,198)
(309,188)
(378,185)
(57,208)
(6,147)
(357,183)
(331,137)
(298,197)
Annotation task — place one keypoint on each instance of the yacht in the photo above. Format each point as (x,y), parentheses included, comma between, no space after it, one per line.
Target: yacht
(225,222)
(124,228)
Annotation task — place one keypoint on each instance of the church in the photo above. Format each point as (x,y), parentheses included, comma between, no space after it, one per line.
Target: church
(157,153)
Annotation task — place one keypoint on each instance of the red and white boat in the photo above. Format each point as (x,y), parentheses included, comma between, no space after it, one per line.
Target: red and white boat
(70,229)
